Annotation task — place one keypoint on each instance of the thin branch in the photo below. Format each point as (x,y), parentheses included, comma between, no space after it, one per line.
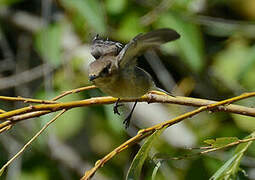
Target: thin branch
(12,120)
(74,91)
(26,100)
(2,111)
(210,149)
(148,131)
(30,141)
(229,145)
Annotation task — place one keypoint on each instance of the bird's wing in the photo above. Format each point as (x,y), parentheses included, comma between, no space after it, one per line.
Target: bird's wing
(143,42)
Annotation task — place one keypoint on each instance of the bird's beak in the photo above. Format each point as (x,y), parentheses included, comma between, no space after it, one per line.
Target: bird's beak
(92,77)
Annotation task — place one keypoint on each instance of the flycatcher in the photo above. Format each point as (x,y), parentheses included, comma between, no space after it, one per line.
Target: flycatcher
(115,72)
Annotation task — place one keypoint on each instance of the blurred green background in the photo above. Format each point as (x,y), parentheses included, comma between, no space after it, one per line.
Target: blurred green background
(45,49)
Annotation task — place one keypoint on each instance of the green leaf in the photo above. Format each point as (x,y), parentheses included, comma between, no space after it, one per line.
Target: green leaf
(137,164)
(48,44)
(231,167)
(220,173)
(190,43)
(221,142)
(155,170)
(91,11)
(209,141)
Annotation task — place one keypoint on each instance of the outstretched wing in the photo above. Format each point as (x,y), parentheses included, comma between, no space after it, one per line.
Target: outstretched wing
(143,42)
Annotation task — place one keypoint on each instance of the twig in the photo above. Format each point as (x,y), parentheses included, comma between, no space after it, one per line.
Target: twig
(228,145)
(210,149)
(148,131)
(12,120)
(30,141)
(74,91)
(2,111)
(26,100)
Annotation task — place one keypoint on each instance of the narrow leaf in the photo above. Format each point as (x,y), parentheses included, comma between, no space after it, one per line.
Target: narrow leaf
(137,164)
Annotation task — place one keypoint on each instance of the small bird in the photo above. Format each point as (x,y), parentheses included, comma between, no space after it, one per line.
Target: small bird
(115,72)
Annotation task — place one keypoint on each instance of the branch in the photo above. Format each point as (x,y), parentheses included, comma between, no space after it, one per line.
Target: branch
(26,100)
(37,110)
(148,131)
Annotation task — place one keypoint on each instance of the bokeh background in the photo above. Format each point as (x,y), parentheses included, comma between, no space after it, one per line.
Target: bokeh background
(45,50)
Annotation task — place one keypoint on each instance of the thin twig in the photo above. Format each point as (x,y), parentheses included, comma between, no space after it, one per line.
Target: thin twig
(26,100)
(31,140)
(2,111)
(74,91)
(12,120)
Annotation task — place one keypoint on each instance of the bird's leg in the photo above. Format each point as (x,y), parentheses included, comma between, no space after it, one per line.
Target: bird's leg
(126,122)
(115,107)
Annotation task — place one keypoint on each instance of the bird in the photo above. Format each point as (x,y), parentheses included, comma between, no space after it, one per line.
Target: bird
(115,70)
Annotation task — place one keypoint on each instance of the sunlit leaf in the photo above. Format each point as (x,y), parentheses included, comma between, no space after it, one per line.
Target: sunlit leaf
(155,170)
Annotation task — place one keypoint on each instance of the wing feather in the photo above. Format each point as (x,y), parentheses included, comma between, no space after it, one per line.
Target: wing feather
(143,42)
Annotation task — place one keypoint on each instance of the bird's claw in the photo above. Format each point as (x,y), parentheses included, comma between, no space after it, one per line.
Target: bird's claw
(115,108)
(126,122)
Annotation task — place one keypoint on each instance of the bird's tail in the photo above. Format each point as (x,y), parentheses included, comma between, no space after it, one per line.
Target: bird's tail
(162,91)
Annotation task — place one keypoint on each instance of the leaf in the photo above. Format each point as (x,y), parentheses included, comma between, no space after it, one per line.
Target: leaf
(137,164)
(190,43)
(155,170)
(221,142)
(219,174)
(91,11)
(48,44)
(209,141)
(231,167)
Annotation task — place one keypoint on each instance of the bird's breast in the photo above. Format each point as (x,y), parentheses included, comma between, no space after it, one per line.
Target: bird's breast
(124,84)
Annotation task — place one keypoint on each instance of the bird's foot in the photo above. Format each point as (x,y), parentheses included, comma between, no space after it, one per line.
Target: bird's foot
(127,120)
(115,107)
